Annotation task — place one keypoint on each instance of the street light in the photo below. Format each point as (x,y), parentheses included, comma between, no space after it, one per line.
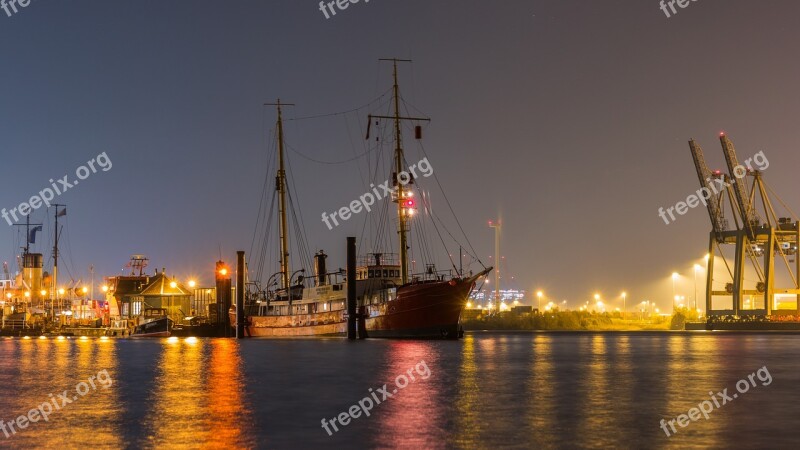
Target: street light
(624,295)
(696,268)
(539,295)
(192,284)
(674,296)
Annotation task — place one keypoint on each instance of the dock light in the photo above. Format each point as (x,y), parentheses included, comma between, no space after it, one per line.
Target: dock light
(173,284)
(192,283)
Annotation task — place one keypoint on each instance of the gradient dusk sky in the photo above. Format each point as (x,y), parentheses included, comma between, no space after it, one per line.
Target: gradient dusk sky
(567,118)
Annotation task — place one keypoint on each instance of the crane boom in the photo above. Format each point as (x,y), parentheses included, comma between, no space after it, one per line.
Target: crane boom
(718,221)
(739,189)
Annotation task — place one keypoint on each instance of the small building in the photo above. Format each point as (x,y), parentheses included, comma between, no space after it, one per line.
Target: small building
(131,295)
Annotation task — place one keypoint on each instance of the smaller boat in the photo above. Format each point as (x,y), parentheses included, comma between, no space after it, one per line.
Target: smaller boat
(154,322)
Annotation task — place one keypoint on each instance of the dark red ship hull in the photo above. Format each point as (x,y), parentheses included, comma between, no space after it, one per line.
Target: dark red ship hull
(429,310)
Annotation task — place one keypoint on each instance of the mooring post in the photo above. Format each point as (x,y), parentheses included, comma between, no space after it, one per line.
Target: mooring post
(351,288)
(240,268)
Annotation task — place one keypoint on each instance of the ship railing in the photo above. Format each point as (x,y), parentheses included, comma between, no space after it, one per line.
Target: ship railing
(433,275)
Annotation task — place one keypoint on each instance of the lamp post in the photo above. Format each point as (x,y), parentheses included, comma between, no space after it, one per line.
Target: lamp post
(624,296)
(539,295)
(696,268)
(674,295)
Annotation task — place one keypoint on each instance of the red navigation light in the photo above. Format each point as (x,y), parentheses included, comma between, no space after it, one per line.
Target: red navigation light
(409,204)
(722,133)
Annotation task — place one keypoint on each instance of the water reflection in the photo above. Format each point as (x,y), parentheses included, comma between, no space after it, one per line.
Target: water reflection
(192,406)
(488,390)
(468,418)
(412,416)
(228,417)
(45,369)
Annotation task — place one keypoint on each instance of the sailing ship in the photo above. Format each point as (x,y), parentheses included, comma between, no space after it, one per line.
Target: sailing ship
(392,301)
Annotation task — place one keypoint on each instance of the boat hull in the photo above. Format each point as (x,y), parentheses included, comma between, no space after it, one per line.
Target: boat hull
(429,310)
(155,328)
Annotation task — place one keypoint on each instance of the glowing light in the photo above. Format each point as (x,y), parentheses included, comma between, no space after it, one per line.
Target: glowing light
(173,284)
(597,296)
(675,275)
(192,283)
(469,304)
(43,292)
(61,291)
(27,294)
(172,340)
(104,288)
(42,338)
(84,338)
(84,289)
(191,340)
(8,295)
(223,271)
(539,294)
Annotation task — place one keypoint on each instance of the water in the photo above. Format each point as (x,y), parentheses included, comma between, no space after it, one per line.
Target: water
(512,390)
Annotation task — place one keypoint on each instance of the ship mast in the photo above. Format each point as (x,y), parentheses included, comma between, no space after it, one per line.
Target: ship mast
(398,155)
(400,198)
(280,185)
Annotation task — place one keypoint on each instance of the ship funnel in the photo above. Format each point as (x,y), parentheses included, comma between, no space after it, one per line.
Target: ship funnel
(32,271)
(320,271)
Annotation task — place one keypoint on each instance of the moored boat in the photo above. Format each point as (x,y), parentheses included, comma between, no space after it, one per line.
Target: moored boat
(153,323)
(392,301)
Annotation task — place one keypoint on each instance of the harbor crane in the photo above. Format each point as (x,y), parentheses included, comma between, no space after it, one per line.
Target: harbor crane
(758,235)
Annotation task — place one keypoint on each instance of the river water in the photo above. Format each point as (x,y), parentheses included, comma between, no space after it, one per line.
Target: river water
(492,390)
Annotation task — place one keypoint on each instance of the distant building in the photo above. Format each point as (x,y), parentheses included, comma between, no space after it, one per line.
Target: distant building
(507,295)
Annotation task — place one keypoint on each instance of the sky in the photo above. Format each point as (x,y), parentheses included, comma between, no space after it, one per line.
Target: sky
(567,119)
